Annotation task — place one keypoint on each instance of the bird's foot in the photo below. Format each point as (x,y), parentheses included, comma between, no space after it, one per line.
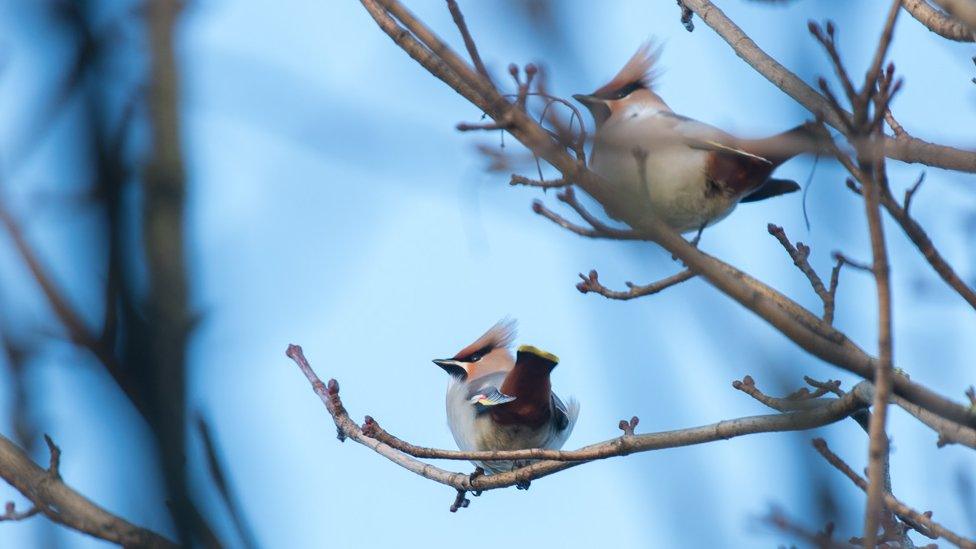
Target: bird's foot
(523,485)
(694,241)
(478,472)
(697,239)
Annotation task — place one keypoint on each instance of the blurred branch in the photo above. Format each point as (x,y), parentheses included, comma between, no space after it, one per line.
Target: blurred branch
(404,454)
(931,528)
(468,41)
(805,329)
(78,333)
(168,321)
(51,496)
(906,148)
(938,22)
(224,487)
(821,540)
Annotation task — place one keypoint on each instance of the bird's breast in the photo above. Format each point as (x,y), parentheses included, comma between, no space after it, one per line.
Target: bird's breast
(667,180)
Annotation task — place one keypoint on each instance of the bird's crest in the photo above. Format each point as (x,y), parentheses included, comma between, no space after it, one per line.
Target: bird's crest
(501,335)
(639,72)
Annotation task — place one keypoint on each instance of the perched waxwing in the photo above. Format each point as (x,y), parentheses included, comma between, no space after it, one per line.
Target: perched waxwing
(495,402)
(684,172)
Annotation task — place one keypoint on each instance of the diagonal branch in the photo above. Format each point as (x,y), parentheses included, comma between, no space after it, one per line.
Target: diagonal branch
(932,529)
(937,21)
(468,41)
(49,494)
(907,148)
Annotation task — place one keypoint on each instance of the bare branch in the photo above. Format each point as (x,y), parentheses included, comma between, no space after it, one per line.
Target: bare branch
(591,283)
(603,232)
(926,526)
(49,495)
(405,454)
(844,260)
(800,255)
(821,540)
(921,239)
(937,21)
(468,41)
(907,149)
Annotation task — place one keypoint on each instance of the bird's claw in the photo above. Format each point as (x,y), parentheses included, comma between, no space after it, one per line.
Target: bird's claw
(478,472)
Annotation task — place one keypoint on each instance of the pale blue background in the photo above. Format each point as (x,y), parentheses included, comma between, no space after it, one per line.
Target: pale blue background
(332,204)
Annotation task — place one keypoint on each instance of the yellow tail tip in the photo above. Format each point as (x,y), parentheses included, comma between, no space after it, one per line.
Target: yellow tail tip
(539,353)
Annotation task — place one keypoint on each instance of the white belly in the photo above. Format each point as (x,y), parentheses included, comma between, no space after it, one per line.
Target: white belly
(673,187)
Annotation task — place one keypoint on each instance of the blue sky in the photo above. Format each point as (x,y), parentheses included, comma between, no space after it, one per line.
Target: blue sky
(333,205)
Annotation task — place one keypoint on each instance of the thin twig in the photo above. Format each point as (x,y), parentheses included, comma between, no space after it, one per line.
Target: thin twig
(616,234)
(591,283)
(842,259)
(927,526)
(468,41)
(800,255)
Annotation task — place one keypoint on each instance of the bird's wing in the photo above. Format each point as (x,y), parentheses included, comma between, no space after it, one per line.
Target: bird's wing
(735,171)
(565,421)
(490,396)
(484,392)
(562,413)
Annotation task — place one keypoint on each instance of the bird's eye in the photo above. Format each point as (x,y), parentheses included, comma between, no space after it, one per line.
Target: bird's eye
(626,90)
(475,357)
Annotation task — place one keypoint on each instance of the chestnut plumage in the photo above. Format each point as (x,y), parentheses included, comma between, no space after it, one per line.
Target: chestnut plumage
(497,402)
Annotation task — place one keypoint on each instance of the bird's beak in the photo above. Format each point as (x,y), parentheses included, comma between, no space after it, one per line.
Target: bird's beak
(452,367)
(587,100)
(598,107)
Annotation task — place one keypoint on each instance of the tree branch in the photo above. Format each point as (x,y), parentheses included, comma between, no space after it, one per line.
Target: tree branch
(931,528)
(591,283)
(798,324)
(800,255)
(938,22)
(404,454)
(907,149)
(51,496)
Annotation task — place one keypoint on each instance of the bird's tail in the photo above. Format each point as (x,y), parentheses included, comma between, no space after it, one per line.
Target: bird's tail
(805,138)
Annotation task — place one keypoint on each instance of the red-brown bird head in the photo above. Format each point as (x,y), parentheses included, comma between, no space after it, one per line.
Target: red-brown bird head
(634,83)
(487,354)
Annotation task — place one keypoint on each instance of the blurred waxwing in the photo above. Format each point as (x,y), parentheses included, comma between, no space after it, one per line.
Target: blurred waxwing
(495,402)
(684,172)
